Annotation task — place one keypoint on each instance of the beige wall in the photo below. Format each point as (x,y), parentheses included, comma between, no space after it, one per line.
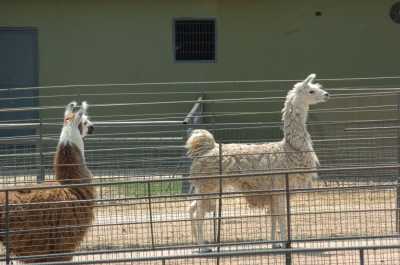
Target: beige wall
(131,41)
(125,41)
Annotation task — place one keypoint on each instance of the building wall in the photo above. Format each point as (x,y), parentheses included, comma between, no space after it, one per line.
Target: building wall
(99,41)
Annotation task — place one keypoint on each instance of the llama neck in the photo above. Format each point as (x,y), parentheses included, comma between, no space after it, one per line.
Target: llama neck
(69,164)
(71,135)
(294,125)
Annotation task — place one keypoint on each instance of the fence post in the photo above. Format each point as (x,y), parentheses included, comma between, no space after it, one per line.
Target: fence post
(186,185)
(362,260)
(150,214)
(194,117)
(398,170)
(41,176)
(78,95)
(7,226)
(288,221)
(219,201)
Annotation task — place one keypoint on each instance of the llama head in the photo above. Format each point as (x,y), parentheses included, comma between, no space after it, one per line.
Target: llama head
(309,92)
(75,129)
(200,141)
(86,126)
(77,117)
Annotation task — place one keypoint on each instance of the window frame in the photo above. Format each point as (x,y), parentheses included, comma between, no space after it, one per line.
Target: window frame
(210,19)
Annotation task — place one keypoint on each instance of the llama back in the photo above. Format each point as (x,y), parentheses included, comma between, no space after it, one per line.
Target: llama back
(241,159)
(256,158)
(275,156)
(50,220)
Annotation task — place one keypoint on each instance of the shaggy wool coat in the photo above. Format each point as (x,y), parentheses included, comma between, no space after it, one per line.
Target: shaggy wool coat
(294,151)
(51,221)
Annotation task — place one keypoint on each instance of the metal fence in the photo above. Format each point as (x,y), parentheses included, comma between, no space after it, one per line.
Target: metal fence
(141,175)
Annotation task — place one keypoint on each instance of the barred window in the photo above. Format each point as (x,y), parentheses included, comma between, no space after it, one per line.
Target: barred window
(195,40)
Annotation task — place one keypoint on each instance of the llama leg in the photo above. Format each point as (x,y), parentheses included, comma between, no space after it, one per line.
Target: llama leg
(197,214)
(282,227)
(274,220)
(200,226)
(193,222)
(273,224)
(278,215)
(282,217)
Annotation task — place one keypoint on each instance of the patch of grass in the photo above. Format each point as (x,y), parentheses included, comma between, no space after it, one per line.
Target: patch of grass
(156,188)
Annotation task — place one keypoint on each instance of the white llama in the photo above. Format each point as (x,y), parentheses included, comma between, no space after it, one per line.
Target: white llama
(294,151)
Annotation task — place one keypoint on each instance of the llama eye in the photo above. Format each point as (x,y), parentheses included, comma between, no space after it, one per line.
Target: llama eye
(311,91)
(85,123)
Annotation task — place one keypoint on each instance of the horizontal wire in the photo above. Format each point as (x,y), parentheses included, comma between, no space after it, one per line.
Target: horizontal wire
(217,176)
(204,92)
(159,175)
(221,101)
(183,130)
(175,118)
(275,124)
(181,147)
(150,165)
(199,82)
(172,119)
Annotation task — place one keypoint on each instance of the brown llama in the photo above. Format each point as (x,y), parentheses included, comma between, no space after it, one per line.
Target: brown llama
(50,222)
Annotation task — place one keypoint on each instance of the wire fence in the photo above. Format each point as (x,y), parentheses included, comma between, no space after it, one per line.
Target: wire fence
(141,178)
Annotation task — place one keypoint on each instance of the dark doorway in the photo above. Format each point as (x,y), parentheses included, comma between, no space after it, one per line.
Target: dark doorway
(18,69)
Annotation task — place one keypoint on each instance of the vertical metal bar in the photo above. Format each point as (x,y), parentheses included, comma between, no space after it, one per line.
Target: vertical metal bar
(201,108)
(288,221)
(362,259)
(151,215)
(215,228)
(78,95)
(101,188)
(7,226)
(398,171)
(219,201)
(186,185)
(41,165)
(215,224)
(192,119)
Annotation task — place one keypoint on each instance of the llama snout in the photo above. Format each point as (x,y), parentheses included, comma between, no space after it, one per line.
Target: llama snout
(90,129)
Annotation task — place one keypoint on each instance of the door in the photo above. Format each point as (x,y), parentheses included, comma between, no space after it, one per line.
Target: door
(18,69)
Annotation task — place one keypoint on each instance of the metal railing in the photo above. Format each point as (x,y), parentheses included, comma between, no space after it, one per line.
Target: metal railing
(162,252)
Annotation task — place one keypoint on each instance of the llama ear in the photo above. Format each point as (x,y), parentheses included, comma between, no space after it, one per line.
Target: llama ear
(84,107)
(309,79)
(70,108)
(78,116)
